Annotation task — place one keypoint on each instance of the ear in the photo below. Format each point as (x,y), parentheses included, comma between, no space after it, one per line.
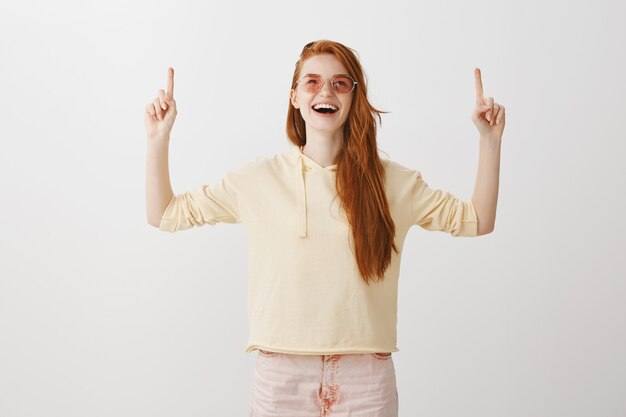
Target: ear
(294,100)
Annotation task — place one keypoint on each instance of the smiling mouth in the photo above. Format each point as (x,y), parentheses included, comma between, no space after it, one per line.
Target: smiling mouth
(325,110)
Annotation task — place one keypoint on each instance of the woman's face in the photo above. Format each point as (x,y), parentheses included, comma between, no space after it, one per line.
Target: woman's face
(326,66)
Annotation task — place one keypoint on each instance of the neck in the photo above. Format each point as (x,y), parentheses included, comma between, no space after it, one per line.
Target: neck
(323,147)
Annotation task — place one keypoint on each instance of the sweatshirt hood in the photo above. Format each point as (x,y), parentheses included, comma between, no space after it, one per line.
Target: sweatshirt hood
(304,164)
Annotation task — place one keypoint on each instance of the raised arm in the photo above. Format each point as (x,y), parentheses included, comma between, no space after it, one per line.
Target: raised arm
(159,119)
(489,119)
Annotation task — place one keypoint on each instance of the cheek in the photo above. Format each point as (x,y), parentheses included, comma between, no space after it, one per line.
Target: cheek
(348,104)
(347,107)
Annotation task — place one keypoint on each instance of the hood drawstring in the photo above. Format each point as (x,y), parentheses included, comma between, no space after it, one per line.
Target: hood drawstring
(301,197)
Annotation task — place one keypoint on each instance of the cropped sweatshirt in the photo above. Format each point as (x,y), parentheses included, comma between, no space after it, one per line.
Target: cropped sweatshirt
(305,292)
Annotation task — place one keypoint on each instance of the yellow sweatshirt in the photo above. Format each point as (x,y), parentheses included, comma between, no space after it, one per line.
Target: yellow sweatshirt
(305,292)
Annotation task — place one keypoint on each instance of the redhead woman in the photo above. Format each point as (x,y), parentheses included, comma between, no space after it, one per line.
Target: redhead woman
(326,221)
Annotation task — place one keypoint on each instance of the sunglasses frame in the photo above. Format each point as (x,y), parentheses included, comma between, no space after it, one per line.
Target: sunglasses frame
(332,86)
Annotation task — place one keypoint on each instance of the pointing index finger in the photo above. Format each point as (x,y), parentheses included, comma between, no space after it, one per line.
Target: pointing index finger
(479,86)
(170,82)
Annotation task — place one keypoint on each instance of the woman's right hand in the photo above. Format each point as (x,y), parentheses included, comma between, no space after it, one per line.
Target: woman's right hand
(160,114)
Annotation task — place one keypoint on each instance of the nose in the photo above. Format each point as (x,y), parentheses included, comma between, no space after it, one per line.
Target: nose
(326,89)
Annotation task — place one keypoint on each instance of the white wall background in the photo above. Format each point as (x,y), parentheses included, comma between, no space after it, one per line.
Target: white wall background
(104,315)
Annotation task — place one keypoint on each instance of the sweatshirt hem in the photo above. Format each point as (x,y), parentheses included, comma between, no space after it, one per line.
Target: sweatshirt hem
(298,351)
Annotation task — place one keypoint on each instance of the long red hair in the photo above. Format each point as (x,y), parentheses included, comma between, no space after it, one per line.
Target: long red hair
(360,179)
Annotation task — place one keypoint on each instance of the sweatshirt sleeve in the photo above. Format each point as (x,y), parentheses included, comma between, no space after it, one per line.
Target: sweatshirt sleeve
(206,204)
(439,210)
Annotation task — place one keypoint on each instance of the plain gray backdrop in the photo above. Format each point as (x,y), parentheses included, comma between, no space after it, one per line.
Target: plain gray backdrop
(102,314)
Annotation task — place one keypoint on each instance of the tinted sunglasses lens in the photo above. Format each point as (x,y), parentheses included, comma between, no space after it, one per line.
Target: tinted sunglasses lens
(311,84)
(343,85)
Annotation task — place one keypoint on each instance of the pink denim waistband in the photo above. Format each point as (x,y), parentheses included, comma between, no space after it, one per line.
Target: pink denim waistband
(285,384)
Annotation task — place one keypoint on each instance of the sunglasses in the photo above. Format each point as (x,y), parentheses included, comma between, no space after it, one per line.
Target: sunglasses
(341,84)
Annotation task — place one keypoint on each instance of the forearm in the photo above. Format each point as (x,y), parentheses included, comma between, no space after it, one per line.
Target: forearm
(485,197)
(158,188)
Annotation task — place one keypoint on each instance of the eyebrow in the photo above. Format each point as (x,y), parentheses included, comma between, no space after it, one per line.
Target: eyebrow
(308,75)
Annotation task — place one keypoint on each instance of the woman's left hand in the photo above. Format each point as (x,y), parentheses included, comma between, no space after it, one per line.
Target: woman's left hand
(488,116)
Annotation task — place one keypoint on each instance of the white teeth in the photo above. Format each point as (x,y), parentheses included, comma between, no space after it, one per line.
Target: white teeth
(326,106)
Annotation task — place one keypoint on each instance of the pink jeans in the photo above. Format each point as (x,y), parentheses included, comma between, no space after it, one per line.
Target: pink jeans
(356,385)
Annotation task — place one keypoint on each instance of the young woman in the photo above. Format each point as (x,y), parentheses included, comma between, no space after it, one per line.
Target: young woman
(326,220)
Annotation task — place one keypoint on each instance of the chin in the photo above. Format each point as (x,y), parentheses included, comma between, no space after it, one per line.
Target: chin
(327,129)
(329,126)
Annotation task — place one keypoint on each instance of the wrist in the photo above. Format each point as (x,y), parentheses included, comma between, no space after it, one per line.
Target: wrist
(490,141)
(158,139)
